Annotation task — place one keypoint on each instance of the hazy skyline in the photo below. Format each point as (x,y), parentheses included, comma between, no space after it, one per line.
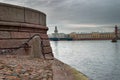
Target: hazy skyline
(76,15)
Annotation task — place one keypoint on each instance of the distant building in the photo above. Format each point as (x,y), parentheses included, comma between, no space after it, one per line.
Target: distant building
(92,36)
(57,35)
(86,36)
(55,31)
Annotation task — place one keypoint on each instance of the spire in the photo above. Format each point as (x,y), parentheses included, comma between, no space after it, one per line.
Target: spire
(116,29)
(55,31)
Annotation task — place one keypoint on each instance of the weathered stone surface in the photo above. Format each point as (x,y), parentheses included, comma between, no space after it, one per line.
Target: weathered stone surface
(46,43)
(5,34)
(36,69)
(49,56)
(21,14)
(25,68)
(44,36)
(32,16)
(50,78)
(36,48)
(11,13)
(9,43)
(18,23)
(43,19)
(47,49)
(20,35)
(63,71)
(12,78)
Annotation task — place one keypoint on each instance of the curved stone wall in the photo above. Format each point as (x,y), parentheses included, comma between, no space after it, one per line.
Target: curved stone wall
(18,24)
(12,13)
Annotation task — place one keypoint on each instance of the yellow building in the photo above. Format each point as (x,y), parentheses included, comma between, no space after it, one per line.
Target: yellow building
(92,36)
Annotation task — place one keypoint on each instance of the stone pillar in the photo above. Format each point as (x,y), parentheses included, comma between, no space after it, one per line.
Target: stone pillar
(36,48)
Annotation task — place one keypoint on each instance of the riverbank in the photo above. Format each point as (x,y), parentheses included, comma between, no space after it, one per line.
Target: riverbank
(63,71)
(13,67)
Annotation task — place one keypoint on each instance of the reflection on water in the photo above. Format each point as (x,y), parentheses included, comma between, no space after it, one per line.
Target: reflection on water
(56,49)
(100,60)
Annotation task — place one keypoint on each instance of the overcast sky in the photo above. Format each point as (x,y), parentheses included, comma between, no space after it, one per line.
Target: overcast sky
(76,15)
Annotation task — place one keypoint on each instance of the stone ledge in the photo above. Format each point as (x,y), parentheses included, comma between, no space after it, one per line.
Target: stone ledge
(22,24)
(62,71)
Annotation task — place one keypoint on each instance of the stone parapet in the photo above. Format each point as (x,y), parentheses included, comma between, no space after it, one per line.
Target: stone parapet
(14,13)
(19,24)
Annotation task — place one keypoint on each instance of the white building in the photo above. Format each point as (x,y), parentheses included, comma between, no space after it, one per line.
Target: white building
(57,35)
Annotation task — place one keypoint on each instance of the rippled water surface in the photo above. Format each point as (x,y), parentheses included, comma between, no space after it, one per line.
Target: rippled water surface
(99,60)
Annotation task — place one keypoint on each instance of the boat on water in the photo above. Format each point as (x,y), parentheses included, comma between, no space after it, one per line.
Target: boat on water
(114,40)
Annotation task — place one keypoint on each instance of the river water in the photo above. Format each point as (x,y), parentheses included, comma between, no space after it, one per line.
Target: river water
(99,60)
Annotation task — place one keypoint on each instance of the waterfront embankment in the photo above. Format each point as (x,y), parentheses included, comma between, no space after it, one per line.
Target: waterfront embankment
(63,71)
(13,67)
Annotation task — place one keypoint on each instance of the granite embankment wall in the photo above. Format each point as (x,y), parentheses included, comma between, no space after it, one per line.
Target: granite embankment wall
(18,24)
(62,71)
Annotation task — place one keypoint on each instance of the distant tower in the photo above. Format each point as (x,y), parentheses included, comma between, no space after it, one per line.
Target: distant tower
(55,31)
(116,31)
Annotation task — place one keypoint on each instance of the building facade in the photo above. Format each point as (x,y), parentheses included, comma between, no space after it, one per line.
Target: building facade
(56,34)
(92,36)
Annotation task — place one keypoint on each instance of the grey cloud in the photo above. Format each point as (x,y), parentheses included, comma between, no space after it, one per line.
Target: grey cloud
(98,13)
(16,2)
(63,12)
(77,11)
